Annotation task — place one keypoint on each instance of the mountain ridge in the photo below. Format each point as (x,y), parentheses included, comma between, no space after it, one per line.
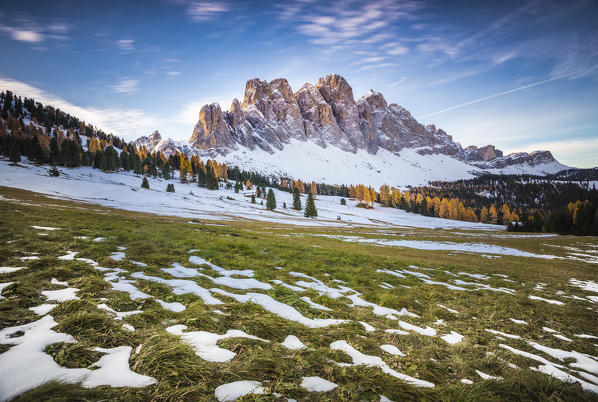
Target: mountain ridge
(326,114)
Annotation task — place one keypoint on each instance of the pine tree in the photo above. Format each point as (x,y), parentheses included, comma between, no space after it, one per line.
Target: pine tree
(296,199)
(145,183)
(258,192)
(170,188)
(166,172)
(15,152)
(211,180)
(271,200)
(310,207)
(253,198)
(284,205)
(343,201)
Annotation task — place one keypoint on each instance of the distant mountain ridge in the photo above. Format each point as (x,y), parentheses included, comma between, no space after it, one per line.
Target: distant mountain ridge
(273,119)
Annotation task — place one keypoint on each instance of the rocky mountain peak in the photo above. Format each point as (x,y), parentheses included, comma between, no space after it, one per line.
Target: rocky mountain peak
(150,141)
(326,113)
(374,99)
(211,130)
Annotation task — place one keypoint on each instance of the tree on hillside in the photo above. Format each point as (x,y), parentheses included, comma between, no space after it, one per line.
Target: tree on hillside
(253,198)
(145,183)
(170,188)
(211,180)
(493,214)
(310,207)
(484,215)
(296,199)
(343,201)
(271,200)
(15,152)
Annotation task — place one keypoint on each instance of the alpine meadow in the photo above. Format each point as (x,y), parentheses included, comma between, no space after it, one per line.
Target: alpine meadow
(165,236)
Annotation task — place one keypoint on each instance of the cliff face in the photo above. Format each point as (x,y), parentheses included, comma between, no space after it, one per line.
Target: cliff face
(327,114)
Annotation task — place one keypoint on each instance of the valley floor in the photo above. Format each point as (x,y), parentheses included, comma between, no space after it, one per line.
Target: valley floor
(101,300)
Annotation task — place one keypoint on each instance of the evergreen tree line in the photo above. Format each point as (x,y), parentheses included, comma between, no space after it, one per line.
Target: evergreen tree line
(49,117)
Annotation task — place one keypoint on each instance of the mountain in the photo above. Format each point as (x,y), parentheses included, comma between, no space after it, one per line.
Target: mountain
(322,133)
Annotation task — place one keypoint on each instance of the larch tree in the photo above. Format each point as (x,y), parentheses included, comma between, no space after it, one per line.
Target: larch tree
(484,215)
(493,214)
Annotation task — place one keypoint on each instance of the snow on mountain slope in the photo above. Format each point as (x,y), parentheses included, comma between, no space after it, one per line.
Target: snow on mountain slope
(122,190)
(309,161)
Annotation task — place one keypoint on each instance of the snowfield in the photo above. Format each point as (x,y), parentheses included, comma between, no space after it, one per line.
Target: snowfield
(123,190)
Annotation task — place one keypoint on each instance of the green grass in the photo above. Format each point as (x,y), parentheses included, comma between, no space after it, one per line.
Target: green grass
(159,241)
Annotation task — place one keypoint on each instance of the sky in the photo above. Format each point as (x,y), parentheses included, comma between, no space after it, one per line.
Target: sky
(521,75)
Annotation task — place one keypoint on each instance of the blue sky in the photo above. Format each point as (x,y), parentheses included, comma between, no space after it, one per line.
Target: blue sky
(522,75)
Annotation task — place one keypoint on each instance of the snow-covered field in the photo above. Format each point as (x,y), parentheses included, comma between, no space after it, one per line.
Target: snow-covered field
(123,190)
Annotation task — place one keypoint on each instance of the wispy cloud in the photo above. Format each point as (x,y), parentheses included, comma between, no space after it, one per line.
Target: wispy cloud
(125,86)
(126,45)
(345,23)
(172,74)
(396,49)
(34,32)
(129,123)
(400,81)
(205,10)
(26,35)
(377,66)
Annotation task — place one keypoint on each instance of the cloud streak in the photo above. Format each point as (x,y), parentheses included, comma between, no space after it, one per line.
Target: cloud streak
(205,10)
(485,98)
(125,86)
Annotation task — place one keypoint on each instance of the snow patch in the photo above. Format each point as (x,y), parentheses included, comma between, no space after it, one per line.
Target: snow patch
(317,384)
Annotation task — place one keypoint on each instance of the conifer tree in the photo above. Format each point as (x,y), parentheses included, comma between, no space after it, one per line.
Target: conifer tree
(137,169)
(258,192)
(343,201)
(271,200)
(296,199)
(15,152)
(201,177)
(484,215)
(253,198)
(145,183)
(166,172)
(284,205)
(170,188)
(310,207)
(211,180)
